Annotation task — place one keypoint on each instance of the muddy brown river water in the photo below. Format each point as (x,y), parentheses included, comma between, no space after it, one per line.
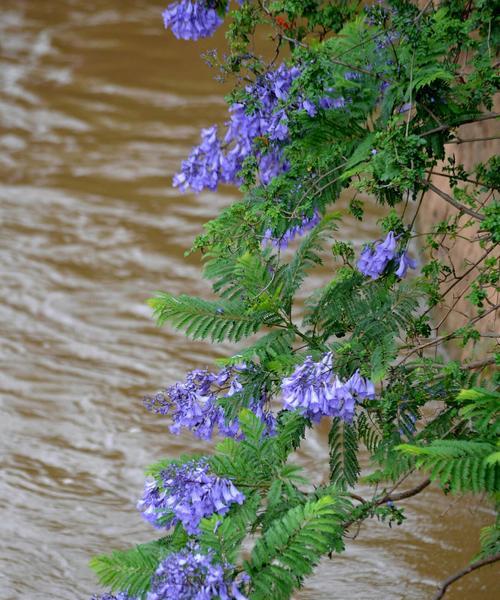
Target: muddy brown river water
(98,105)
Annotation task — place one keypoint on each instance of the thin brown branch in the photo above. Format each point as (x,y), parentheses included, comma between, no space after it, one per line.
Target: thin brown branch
(444,338)
(474,181)
(471,140)
(484,117)
(390,497)
(405,494)
(465,571)
(358,498)
(461,277)
(455,203)
(423,10)
(479,364)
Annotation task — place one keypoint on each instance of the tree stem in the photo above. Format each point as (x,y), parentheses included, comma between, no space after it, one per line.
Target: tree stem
(465,571)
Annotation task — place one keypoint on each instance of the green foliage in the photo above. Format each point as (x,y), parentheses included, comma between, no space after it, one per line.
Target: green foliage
(276,343)
(131,570)
(490,541)
(459,465)
(307,256)
(344,465)
(202,319)
(292,547)
(223,536)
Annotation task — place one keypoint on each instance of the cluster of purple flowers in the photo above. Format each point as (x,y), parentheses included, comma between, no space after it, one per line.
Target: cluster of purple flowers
(373,261)
(193,404)
(257,128)
(326,102)
(282,242)
(315,391)
(220,161)
(186,494)
(191,575)
(191,19)
(203,167)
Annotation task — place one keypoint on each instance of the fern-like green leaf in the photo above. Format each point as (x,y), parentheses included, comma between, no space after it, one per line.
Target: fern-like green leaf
(462,465)
(274,344)
(344,465)
(291,547)
(131,570)
(202,319)
(307,255)
(223,535)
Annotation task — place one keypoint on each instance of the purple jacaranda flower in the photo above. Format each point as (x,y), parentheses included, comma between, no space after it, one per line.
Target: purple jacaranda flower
(192,575)
(282,80)
(309,107)
(388,246)
(186,494)
(373,261)
(193,404)
(306,389)
(271,164)
(352,75)
(191,19)
(341,400)
(373,151)
(278,126)
(327,102)
(315,391)
(405,262)
(282,242)
(202,169)
(370,263)
(152,504)
(360,386)
(258,129)
(384,85)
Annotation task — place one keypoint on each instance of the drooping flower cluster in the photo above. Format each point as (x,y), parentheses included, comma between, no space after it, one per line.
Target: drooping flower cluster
(191,19)
(373,261)
(215,161)
(202,168)
(258,128)
(193,404)
(315,391)
(282,242)
(187,494)
(191,575)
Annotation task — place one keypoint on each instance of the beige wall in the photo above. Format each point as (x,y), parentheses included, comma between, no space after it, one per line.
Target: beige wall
(461,253)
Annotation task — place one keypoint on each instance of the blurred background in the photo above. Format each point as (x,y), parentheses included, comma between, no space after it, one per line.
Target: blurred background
(98,106)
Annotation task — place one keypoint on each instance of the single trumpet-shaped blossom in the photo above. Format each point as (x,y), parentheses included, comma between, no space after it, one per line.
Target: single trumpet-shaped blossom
(372,262)
(405,262)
